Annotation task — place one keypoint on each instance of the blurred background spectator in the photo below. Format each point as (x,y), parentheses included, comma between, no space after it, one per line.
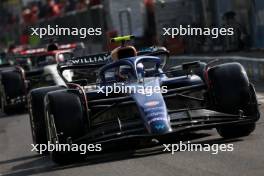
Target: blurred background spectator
(142,18)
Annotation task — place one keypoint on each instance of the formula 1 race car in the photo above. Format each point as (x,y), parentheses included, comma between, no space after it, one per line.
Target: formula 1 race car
(3,60)
(157,104)
(30,69)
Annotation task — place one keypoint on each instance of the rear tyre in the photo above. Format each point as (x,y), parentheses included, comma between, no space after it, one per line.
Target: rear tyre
(65,122)
(231,93)
(37,113)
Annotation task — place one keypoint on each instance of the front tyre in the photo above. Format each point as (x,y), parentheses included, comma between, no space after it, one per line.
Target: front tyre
(65,122)
(232,93)
(37,113)
(236,131)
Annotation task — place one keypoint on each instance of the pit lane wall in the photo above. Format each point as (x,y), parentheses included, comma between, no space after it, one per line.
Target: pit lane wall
(253,66)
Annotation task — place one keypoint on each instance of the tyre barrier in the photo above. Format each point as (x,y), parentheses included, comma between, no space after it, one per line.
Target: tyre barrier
(253,66)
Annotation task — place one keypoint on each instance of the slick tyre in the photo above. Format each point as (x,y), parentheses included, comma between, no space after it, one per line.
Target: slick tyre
(37,113)
(65,122)
(12,86)
(232,93)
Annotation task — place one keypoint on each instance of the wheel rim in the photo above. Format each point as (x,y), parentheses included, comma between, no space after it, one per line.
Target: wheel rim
(31,118)
(51,131)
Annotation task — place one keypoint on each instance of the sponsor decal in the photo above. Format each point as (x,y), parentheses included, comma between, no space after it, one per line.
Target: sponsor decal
(157,119)
(89,59)
(152,103)
(155,114)
(160,126)
(153,109)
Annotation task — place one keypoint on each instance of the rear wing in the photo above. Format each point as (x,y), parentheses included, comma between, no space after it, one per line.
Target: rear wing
(101,59)
(97,60)
(85,62)
(41,50)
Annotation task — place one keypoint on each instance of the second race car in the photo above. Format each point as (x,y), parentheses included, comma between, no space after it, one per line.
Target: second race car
(28,70)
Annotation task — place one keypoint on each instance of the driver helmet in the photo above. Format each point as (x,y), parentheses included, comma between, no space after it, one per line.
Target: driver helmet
(123,52)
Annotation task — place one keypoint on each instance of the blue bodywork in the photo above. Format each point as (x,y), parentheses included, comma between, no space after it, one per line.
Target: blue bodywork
(152,107)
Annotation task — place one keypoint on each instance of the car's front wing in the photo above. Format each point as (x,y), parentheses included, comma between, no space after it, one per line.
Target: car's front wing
(181,121)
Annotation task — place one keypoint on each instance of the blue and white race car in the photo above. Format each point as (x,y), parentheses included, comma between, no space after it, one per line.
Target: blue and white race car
(132,99)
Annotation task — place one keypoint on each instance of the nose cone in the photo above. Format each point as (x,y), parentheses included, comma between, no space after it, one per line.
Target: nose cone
(157,118)
(153,109)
